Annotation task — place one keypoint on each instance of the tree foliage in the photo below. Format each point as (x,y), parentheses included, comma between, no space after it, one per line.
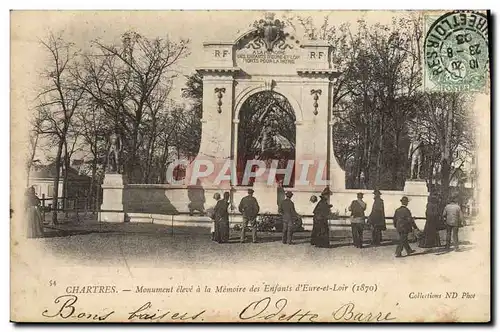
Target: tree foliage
(379,105)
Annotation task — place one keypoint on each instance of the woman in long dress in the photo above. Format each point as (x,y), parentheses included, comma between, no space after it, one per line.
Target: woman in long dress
(321,213)
(431,238)
(314,233)
(222,219)
(377,218)
(35,223)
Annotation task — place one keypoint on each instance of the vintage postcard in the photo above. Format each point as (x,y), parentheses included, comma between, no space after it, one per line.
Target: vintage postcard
(250,166)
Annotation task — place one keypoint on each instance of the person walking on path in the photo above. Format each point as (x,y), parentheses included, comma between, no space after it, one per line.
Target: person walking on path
(320,236)
(453,219)
(287,210)
(357,208)
(249,207)
(404,224)
(377,218)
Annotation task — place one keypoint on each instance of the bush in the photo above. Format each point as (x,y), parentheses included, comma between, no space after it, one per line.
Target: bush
(268,223)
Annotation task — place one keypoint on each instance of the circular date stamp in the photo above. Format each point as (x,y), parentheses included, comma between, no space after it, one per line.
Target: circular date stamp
(456,52)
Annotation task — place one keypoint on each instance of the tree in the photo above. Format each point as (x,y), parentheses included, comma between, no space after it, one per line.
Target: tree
(194,92)
(446,125)
(93,128)
(34,136)
(58,101)
(380,75)
(128,82)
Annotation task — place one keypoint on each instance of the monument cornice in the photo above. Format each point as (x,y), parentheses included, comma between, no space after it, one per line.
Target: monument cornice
(315,43)
(218,43)
(318,73)
(326,71)
(218,70)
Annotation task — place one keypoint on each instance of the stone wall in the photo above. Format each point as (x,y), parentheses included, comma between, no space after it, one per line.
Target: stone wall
(171,199)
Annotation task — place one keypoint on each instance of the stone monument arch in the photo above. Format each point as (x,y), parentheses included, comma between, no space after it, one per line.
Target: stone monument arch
(270,57)
(267,57)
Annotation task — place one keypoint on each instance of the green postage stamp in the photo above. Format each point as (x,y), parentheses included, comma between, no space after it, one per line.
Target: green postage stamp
(456,51)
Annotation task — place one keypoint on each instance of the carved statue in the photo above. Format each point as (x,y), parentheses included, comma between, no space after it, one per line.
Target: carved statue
(265,139)
(270,30)
(265,136)
(416,157)
(114,152)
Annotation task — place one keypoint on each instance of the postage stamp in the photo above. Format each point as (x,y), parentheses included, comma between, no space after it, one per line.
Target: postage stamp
(456,51)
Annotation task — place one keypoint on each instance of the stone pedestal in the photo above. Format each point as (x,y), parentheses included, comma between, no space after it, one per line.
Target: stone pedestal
(112,198)
(266,195)
(417,192)
(416,187)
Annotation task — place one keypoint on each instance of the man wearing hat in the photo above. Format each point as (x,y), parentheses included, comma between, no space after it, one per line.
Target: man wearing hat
(404,224)
(287,210)
(357,208)
(377,218)
(249,207)
(453,219)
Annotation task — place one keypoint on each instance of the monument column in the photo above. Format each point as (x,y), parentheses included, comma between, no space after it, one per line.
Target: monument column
(112,198)
(217,127)
(337,174)
(113,184)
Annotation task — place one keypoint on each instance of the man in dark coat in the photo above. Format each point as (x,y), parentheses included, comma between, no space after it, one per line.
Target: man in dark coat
(287,210)
(377,218)
(211,214)
(320,236)
(404,224)
(280,193)
(222,219)
(250,209)
(357,208)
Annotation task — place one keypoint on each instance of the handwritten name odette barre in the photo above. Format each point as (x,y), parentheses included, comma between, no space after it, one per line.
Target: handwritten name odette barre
(67,308)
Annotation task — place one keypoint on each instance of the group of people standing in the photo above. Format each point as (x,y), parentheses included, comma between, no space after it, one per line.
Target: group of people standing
(376,219)
(249,208)
(450,219)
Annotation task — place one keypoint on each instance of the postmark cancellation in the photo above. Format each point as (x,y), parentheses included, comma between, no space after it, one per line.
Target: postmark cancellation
(456,51)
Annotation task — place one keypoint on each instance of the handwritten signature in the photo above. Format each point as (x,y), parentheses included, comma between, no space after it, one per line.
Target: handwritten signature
(264,309)
(267,309)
